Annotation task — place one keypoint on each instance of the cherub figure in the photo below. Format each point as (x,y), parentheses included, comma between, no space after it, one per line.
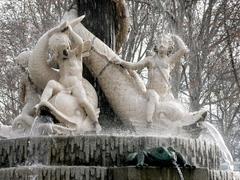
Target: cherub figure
(68,49)
(159,65)
(29,95)
(158,86)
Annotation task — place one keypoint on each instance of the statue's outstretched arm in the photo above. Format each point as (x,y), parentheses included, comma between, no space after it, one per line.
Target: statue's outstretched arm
(183,49)
(57,29)
(39,70)
(78,41)
(135,66)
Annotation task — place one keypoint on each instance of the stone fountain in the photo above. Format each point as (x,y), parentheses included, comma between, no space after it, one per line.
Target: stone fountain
(102,157)
(57,136)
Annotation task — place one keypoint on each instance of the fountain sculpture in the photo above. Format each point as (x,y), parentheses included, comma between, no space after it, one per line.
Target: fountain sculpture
(63,105)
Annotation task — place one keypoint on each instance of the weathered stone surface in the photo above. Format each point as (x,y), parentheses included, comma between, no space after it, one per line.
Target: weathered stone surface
(98,150)
(223,175)
(39,172)
(153,173)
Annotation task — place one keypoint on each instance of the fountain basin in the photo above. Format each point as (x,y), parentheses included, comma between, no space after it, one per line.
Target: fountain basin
(99,150)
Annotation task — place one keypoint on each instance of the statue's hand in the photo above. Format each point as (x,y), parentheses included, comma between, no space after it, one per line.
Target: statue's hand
(116,60)
(60,28)
(76,21)
(64,26)
(69,27)
(149,125)
(175,36)
(180,43)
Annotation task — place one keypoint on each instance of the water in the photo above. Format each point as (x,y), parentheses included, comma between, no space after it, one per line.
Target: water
(220,142)
(41,126)
(33,177)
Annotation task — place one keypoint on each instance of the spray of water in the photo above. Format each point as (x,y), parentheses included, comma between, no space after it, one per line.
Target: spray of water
(220,142)
(33,177)
(40,127)
(33,128)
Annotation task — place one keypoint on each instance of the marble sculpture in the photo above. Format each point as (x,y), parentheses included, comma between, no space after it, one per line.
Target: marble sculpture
(72,100)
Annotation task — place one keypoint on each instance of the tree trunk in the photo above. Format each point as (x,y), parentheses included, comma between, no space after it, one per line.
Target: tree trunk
(100,19)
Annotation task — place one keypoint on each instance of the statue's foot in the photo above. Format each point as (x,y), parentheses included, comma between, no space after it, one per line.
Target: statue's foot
(61,130)
(199,116)
(97,112)
(149,125)
(96,126)
(196,128)
(23,121)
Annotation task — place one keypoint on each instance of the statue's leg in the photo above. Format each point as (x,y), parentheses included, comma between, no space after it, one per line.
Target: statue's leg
(26,118)
(52,87)
(172,111)
(176,113)
(79,92)
(28,108)
(58,129)
(153,99)
(139,82)
(22,121)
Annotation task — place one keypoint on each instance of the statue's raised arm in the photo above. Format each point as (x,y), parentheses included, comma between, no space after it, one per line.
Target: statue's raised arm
(39,57)
(182,50)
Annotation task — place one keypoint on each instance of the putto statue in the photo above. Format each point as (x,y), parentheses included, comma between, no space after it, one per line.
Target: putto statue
(69,98)
(68,103)
(159,67)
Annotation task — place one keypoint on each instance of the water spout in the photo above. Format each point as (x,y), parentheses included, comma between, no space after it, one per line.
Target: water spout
(220,142)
